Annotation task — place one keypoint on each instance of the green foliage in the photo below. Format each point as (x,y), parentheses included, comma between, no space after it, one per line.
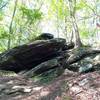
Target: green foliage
(32,15)
(84,33)
(29,15)
(3,33)
(58,8)
(1,1)
(1,16)
(80,5)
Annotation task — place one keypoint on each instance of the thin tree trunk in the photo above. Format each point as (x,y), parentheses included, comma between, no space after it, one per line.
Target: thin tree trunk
(78,42)
(57,25)
(71,38)
(4,5)
(65,30)
(10,27)
(72,5)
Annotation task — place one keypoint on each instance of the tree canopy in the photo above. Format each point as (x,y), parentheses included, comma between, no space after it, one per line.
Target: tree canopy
(22,20)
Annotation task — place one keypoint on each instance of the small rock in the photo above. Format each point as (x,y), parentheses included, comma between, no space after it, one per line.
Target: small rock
(27,90)
(83,82)
(16,87)
(37,88)
(85,68)
(97,58)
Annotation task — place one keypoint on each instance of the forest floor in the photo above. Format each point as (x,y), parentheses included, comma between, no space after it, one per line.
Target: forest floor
(68,86)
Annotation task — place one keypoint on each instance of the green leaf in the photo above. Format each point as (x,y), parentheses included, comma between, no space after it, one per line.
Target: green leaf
(80,5)
(58,8)
(3,33)
(32,15)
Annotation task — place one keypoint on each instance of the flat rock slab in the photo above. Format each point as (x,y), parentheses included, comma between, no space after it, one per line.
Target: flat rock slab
(28,56)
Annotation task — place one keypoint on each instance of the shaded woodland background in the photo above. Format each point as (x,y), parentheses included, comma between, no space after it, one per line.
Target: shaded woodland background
(75,20)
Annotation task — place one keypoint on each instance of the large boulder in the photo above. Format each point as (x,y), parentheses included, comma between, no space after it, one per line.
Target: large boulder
(30,55)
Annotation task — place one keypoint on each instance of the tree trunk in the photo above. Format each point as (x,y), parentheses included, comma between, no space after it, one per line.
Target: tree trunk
(10,27)
(72,4)
(78,42)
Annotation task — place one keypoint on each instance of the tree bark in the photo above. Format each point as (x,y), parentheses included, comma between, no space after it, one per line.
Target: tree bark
(72,4)
(10,27)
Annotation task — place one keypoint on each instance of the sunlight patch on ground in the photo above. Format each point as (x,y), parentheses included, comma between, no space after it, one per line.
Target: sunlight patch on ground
(37,88)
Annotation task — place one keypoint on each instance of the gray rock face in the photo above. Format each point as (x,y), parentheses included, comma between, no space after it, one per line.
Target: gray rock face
(97,58)
(86,68)
(46,36)
(28,56)
(39,69)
